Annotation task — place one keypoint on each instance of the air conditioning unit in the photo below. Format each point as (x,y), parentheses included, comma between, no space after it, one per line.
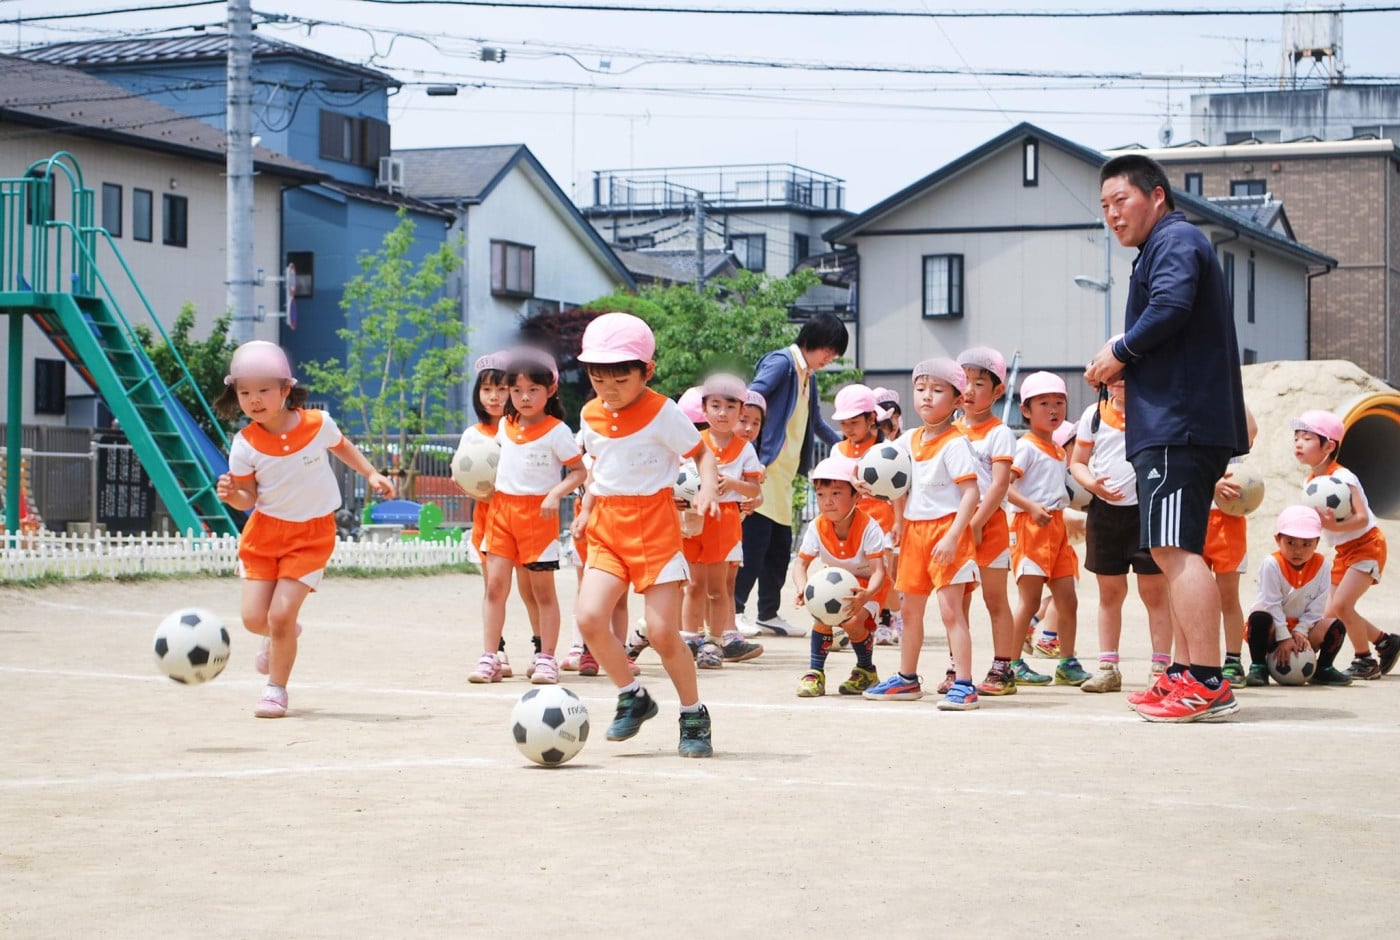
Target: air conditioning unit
(390,174)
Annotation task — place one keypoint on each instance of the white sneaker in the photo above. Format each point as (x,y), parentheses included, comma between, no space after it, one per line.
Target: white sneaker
(745,626)
(777,626)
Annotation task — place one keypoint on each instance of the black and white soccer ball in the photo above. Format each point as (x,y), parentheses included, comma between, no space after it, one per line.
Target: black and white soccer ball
(1330,495)
(887,470)
(474,466)
(191,646)
(687,483)
(1296,669)
(828,595)
(1079,497)
(549,725)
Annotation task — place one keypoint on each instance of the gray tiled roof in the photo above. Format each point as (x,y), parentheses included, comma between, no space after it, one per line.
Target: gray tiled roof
(675,267)
(383,197)
(451,173)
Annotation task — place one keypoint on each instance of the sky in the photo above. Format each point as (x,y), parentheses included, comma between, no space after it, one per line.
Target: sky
(603,90)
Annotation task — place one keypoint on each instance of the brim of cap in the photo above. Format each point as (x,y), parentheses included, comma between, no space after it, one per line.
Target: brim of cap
(848,415)
(605,356)
(230,379)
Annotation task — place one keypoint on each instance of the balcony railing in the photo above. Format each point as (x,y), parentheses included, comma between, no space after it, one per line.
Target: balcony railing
(781,185)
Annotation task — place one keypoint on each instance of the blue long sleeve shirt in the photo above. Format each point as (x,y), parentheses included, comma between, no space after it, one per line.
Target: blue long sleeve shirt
(1181,355)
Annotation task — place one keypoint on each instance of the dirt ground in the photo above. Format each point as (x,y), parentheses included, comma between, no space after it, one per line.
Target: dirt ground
(393,802)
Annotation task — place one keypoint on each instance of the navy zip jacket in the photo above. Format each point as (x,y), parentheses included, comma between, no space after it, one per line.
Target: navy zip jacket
(1182,357)
(775,378)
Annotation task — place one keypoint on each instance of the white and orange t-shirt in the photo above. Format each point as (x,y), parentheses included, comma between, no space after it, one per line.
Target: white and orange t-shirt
(940,465)
(737,460)
(635,450)
(1292,596)
(1334,539)
(292,470)
(1109,457)
(864,543)
(1039,471)
(532,457)
(992,442)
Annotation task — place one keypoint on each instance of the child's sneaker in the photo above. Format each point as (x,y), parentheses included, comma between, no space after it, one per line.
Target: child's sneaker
(709,656)
(1234,671)
(949,678)
(543,670)
(1191,700)
(571,658)
(587,665)
(1161,687)
(998,682)
(1364,667)
(896,687)
(885,636)
(1069,672)
(840,640)
(695,734)
(488,669)
(1048,646)
(1107,679)
(273,703)
(1388,652)
(860,680)
(633,708)
(736,649)
(1258,675)
(1025,675)
(812,684)
(260,658)
(962,697)
(505,665)
(1329,675)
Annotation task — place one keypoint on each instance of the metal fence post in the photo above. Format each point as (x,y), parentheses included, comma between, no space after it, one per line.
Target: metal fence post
(92,485)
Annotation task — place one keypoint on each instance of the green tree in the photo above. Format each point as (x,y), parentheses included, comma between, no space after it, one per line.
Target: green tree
(405,350)
(207,360)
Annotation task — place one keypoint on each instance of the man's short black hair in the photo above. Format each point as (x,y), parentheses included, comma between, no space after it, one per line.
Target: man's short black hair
(823,331)
(1143,172)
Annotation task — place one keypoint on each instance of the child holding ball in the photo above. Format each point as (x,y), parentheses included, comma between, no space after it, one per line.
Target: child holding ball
(278,468)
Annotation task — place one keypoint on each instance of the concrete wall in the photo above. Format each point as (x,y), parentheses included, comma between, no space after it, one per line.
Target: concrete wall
(777,226)
(1328,113)
(1279,330)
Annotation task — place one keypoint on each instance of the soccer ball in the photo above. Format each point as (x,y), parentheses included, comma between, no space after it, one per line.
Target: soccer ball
(887,470)
(191,646)
(1330,495)
(1079,497)
(1251,486)
(474,466)
(550,725)
(828,595)
(687,483)
(1296,669)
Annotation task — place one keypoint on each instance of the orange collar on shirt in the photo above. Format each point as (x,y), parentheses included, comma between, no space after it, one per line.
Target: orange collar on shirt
(1328,470)
(847,547)
(921,449)
(280,445)
(629,420)
(1048,448)
(1111,416)
(1294,576)
(525,435)
(729,453)
(488,428)
(851,449)
(978,431)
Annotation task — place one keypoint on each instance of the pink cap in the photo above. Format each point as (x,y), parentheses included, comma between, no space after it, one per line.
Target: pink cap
(757,400)
(835,467)
(259,359)
(1322,423)
(944,370)
(521,357)
(1042,383)
(886,396)
(692,404)
(617,337)
(984,357)
(490,362)
(724,385)
(1066,432)
(1301,522)
(854,401)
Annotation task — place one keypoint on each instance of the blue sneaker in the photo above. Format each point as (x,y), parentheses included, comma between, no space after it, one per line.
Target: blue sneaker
(633,708)
(962,697)
(893,688)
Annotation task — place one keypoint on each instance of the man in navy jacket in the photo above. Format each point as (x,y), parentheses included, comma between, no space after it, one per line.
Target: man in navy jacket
(1185,417)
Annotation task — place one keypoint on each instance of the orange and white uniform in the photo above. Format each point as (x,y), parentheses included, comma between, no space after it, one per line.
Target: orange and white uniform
(533,459)
(940,466)
(857,552)
(1109,456)
(291,532)
(1039,475)
(481,508)
(1227,541)
(881,510)
(1290,596)
(717,539)
(992,442)
(634,531)
(1362,549)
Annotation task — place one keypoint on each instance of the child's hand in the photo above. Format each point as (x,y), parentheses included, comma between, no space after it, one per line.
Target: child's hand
(977,534)
(1101,489)
(380,484)
(580,523)
(681,505)
(224,488)
(1226,491)
(1329,521)
(945,550)
(863,489)
(707,504)
(897,533)
(722,486)
(799,600)
(1039,514)
(549,509)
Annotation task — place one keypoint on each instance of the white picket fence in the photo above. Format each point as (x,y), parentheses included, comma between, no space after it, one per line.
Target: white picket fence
(47,554)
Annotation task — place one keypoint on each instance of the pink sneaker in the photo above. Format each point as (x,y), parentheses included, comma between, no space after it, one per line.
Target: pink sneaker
(273,703)
(504,663)
(488,669)
(543,670)
(587,665)
(570,663)
(260,660)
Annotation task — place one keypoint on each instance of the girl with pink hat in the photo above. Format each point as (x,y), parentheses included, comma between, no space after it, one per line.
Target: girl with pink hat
(858,416)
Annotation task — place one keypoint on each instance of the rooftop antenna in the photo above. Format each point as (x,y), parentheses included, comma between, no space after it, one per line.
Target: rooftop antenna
(1246,40)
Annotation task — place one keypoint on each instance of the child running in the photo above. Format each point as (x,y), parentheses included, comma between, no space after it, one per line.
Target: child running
(938,556)
(537,448)
(1359,544)
(842,536)
(277,467)
(637,437)
(1040,549)
(1289,615)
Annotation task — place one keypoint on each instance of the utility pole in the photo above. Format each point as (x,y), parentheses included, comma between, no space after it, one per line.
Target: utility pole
(699,243)
(239,170)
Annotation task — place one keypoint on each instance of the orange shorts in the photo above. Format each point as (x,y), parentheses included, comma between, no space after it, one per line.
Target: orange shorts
(918,572)
(1042,550)
(1366,554)
(637,539)
(1227,543)
(881,510)
(717,539)
(995,550)
(517,530)
(271,549)
(581,547)
(481,521)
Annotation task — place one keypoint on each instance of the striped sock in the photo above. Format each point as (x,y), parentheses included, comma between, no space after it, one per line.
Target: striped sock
(1164,658)
(1109,658)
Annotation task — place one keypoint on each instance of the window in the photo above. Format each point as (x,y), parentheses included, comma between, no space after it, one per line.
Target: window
(512,269)
(175,216)
(346,139)
(112,209)
(636,242)
(1030,162)
(50,386)
(751,250)
(1194,184)
(801,248)
(943,286)
(305,263)
(1247,188)
(375,135)
(1241,137)
(1227,262)
(1248,357)
(141,204)
(1249,289)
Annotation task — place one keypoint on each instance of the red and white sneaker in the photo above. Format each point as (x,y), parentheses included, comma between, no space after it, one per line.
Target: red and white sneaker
(587,665)
(543,670)
(571,658)
(488,669)
(1154,694)
(1191,700)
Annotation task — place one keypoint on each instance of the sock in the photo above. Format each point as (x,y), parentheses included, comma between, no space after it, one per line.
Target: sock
(1034,620)
(536,640)
(730,636)
(820,647)
(1232,657)
(1176,669)
(1109,658)
(633,688)
(1001,664)
(1363,653)
(502,646)
(1163,658)
(1050,634)
(865,651)
(691,709)
(1208,676)
(908,678)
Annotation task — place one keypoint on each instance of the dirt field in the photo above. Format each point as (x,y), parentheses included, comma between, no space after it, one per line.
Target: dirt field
(394,803)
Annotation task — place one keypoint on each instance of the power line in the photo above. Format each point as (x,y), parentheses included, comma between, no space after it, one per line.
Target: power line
(87,14)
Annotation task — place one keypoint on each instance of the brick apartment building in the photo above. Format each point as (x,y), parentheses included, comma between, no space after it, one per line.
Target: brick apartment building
(1343,199)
